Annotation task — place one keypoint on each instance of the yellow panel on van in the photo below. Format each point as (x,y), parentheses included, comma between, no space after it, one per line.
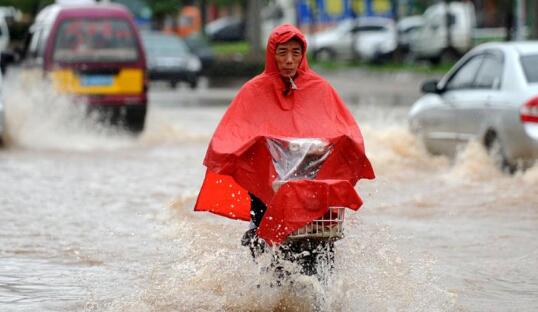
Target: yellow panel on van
(127,81)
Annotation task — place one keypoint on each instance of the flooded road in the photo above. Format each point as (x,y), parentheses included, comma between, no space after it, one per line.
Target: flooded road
(94,220)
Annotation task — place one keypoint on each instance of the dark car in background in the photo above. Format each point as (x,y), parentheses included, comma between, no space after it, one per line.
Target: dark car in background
(199,46)
(229,28)
(169,59)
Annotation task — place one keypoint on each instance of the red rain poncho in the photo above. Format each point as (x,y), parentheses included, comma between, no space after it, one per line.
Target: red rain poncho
(238,161)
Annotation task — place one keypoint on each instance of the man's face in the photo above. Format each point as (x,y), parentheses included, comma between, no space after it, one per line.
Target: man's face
(288,57)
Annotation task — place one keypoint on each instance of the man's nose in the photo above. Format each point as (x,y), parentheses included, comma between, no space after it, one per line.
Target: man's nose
(289,58)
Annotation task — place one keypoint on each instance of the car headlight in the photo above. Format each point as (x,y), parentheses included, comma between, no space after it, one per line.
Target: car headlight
(194,64)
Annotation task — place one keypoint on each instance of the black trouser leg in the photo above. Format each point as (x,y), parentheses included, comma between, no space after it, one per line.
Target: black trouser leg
(257,210)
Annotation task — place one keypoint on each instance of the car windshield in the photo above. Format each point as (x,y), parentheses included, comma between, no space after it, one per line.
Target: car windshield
(98,40)
(529,67)
(164,45)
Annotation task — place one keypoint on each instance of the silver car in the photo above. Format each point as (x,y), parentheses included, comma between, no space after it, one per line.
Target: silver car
(372,38)
(490,95)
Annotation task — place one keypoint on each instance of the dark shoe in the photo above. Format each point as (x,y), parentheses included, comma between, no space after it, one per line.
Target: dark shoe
(252,241)
(248,237)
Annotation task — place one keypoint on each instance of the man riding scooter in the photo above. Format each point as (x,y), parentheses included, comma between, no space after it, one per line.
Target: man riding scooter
(281,109)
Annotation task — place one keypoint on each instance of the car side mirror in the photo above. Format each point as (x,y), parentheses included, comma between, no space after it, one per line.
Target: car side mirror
(430,86)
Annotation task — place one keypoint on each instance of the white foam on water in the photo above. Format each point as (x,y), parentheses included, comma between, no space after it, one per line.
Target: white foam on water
(38,117)
(208,270)
(393,150)
(473,163)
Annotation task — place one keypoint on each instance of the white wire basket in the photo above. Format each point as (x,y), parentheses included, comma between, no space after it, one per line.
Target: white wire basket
(330,226)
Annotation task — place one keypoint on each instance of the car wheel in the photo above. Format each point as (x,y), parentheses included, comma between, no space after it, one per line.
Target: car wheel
(325,55)
(497,153)
(173,84)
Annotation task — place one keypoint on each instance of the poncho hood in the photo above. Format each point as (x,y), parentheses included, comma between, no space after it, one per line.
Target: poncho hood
(282,34)
(238,161)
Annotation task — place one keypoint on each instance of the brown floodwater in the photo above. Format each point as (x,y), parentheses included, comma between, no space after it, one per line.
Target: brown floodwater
(95,220)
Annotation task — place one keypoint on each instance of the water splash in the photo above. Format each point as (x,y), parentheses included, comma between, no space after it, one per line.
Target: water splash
(395,151)
(472,163)
(208,270)
(38,117)
(530,176)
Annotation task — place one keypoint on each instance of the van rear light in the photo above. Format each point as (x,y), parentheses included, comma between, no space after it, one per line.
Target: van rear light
(529,111)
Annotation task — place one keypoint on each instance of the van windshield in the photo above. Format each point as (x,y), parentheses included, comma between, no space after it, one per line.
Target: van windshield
(96,40)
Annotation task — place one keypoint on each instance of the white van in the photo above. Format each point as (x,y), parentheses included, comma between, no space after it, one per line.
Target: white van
(430,41)
(276,13)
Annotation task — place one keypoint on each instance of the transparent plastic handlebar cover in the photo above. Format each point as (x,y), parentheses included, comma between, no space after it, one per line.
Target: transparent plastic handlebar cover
(298,158)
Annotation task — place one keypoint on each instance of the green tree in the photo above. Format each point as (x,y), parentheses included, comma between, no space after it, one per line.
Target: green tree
(164,7)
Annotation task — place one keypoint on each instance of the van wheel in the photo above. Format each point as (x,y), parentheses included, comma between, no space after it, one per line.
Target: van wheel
(135,118)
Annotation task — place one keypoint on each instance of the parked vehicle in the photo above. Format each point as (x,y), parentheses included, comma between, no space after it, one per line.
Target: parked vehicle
(275,13)
(377,38)
(490,95)
(371,38)
(408,28)
(169,59)
(229,28)
(199,46)
(431,41)
(94,51)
